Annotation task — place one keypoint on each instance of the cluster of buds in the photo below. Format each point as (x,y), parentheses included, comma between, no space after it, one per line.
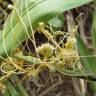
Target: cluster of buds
(65,57)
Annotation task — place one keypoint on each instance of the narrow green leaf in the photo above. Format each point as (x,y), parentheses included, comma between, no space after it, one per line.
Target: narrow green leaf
(18,86)
(11,88)
(93,33)
(78,73)
(89,62)
(75,73)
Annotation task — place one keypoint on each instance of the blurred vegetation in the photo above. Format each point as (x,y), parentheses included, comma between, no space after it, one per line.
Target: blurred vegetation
(43,38)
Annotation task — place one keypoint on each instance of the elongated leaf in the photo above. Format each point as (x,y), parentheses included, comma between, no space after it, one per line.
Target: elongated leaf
(78,73)
(18,86)
(11,89)
(28,13)
(94,31)
(89,62)
(93,34)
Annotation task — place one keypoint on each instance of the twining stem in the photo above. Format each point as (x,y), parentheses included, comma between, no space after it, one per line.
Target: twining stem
(48,35)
